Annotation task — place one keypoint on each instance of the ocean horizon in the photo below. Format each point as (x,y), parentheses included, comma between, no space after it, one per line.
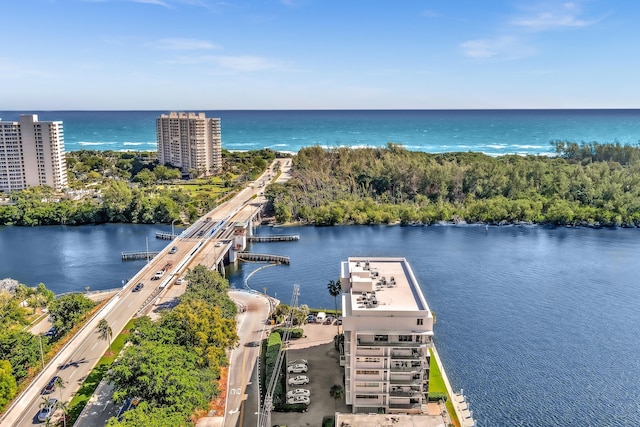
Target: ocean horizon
(493,132)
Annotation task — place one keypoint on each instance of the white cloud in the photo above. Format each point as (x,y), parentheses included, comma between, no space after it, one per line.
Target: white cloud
(12,69)
(242,63)
(566,15)
(503,48)
(156,2)
(245,63)
(182,44)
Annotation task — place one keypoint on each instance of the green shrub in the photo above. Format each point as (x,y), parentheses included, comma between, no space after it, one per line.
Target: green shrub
(295,332)
(435,396)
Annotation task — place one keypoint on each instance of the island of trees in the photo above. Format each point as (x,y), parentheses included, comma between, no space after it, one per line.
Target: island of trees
(584,184)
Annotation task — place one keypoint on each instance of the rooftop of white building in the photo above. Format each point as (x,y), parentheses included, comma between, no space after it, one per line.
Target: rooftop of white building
(380,285)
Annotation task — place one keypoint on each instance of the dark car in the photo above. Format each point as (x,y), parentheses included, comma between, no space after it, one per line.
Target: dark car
(47,410)
(138,287)
(129,403)
(173,250)
(51,385)
(50,333)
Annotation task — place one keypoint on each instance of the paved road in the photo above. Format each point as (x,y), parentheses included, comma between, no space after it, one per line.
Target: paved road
(251,330)
(74,362)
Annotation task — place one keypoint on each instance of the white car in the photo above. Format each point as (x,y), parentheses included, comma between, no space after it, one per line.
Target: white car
(299,392)
(297,369)
(298,362)
(298,399)
(299,380)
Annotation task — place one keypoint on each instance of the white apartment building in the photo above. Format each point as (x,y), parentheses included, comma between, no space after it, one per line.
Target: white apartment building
(388,330)
(31,154)
(190,141)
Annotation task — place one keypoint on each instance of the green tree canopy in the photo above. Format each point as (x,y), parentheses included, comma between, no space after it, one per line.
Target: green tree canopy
(68,310)
(8,385)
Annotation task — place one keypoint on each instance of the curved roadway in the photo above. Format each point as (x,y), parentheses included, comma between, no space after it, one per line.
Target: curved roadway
(78,357)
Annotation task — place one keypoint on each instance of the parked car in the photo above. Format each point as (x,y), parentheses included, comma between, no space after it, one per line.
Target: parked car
(297,369)
(138,287)
(173,250)
(299,380)
(298,400)
(180,281)
(47,410)
(311,318)
(328,320)
(50,333)
(129,403)
(298,362)
(299,392)
(339,320)
(51,385)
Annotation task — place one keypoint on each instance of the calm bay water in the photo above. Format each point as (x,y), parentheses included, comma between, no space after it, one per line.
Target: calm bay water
(539,326)
(493,132)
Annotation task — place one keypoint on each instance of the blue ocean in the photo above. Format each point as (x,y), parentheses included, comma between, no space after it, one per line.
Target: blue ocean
(494,132)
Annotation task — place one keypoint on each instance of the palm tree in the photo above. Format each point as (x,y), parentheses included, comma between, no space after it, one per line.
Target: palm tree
(337,392)
(60,384)
(335,289)
(64,407)
(105,331)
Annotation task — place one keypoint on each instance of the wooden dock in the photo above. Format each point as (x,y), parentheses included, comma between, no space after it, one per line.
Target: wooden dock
(165,236)
(136,256)
(275,238)
(279,259)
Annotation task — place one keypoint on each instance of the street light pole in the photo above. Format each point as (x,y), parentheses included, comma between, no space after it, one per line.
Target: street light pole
(173,235)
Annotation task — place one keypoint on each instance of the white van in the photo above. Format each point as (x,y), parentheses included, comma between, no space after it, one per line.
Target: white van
(321,317)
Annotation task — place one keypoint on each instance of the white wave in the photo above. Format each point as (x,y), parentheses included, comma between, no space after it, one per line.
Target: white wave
(497,146)
(126,150)
(528,147)
(96,143)
(133,143)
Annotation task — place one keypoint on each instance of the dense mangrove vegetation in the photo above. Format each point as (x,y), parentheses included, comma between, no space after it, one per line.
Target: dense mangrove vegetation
(589,184)
(130,187)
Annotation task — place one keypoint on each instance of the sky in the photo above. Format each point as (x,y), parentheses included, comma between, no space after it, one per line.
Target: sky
(318,54)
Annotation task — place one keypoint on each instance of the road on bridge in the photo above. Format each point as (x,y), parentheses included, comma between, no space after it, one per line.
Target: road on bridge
(78,357)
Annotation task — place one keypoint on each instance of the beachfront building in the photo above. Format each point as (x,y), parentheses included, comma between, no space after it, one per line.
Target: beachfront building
(191,142)
(388,330)
(32,154)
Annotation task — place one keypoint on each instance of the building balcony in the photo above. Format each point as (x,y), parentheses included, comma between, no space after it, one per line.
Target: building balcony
(407,355)
(406,381)
(405,368)
(407,393)
(403,344)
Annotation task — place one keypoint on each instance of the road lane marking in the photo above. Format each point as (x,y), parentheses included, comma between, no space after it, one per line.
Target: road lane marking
(94,346)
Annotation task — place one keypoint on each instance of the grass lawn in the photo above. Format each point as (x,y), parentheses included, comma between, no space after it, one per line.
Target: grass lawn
(436,384)
(95,376)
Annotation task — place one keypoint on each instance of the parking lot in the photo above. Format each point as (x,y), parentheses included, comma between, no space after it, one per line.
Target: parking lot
(324,371)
